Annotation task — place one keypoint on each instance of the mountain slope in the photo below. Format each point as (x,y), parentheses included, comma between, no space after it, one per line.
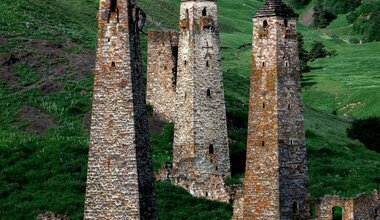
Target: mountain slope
(47,55)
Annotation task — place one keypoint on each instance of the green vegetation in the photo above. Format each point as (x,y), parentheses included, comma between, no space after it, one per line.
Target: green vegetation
(48,171)
(366,20)
(318,50)
(299,3)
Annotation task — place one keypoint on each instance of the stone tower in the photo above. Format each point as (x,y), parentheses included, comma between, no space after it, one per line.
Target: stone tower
(276,183)
(120,181)
(200,133)
(162,73)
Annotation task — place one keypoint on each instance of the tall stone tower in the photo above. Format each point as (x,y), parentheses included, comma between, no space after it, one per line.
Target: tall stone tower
(120,181)
(276,183)
(200,133)
(162,73)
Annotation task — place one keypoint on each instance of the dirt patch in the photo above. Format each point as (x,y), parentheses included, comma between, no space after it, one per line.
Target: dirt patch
(39,122)
(60,60)
(54,62)
(156,126)
(50,86)
(307,19)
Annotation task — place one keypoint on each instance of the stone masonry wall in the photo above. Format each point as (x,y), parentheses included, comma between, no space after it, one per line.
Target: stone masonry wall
(162,73)
(367,206)
(361,207)
(120,181)
(276,185)
(200,133)
(327,203)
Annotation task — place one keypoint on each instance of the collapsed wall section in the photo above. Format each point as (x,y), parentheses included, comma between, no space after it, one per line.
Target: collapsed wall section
(162,73)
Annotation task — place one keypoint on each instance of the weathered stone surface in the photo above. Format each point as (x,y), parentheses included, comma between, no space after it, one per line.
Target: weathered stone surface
(276,184)
(361,207)
(51,216)
(162,73)
(120,181)
(200,133)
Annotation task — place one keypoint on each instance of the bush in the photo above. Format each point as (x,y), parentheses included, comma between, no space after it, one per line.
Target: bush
(318,50)
(366,131)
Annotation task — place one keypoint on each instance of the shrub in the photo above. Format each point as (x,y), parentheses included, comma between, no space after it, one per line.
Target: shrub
(366,131)
(318,50)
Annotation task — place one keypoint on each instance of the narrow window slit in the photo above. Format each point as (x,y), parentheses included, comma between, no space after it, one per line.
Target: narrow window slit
(265,24)
(208,93)
(204,12)
(211,149)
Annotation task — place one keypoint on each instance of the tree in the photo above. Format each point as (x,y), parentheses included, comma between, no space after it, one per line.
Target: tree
(318,50)
(303,54)
(322,17)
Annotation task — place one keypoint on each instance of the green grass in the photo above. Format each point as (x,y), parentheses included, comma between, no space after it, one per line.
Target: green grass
(48,172)
(349,82)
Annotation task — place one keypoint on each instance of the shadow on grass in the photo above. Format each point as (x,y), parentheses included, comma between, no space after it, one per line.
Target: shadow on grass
(366,131)
(308,81)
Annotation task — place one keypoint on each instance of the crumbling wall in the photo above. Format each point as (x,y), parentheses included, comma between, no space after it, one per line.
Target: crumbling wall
(367,206)
(238,205)
(162,73)
(51,216)
(120,182)
(361,207)
(324,209)
(195,182)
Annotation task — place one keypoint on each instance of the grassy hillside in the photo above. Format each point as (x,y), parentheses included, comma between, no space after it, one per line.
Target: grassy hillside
(46,58)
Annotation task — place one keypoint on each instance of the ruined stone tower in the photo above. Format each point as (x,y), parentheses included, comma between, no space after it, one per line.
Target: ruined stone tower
(276,184)
(120,177)
(162,73)
(200,133)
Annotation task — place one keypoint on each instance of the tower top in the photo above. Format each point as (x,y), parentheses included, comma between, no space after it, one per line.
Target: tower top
(275,8)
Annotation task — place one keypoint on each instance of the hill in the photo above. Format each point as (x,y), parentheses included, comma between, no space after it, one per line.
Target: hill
(47,55)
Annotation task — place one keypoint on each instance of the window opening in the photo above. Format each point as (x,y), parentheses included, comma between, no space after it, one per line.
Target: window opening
(211,149)
(263,105)
(113,6)
(113,64)
(208,93)
(265,24)
(263,63)
(295,208)
(207,64)
(263,143)
(204,12)
(286,23)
